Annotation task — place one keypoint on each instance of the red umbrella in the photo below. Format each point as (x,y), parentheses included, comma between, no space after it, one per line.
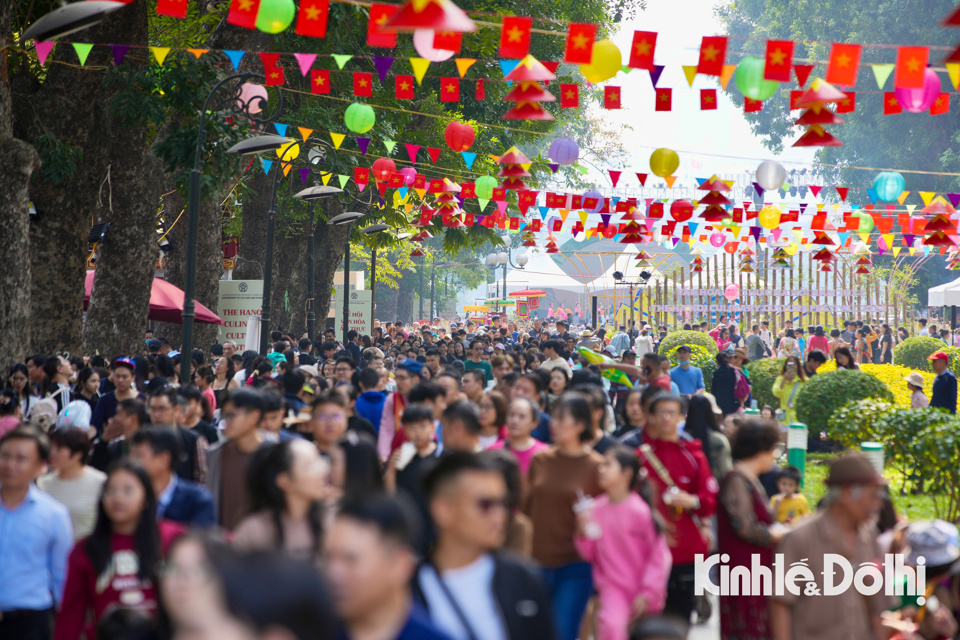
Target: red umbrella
(166,302)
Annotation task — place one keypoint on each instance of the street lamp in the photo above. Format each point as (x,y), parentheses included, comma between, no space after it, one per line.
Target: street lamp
(495,260)
(348,218)
(311,195)
(232,101)
(70,19)
(372,230)
(443,264)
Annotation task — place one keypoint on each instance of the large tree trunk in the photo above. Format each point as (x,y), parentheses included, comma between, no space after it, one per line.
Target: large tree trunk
(288,305)
(329,244)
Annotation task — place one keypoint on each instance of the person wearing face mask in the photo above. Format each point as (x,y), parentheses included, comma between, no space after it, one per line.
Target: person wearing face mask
(688,378)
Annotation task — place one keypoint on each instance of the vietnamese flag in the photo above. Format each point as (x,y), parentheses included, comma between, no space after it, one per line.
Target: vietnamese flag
(844,64)
(515,37)
(849,104)
(362,84)
(580,39)
(243,13)
(319,81)
(569,96)
(403,87)
(448,40)
(379,15)
(664,99)
(778,61)
(713,52)
(890,104)
(175,8)
(708,99)
(312,18)
(611,97)
(752,106)
(911,64)
(642,50)
(941,105)
(794,96)
(274,76)
(480,93)
(450,89)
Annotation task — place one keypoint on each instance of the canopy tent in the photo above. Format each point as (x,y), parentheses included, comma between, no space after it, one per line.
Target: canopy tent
(541,272)
(944,295)
(166,302)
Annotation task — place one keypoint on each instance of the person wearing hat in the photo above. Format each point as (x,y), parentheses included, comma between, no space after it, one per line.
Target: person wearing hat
(844,527)
(587,340)
(937,542)
(407,374)
(688,378)
(122,378)
(945,384)
(918,399)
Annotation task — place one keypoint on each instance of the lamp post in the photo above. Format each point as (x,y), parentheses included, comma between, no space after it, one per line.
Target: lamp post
(372,230)
(356,207)
(70,18)
(311,195)
(236,102)
(494,260)
(443,264)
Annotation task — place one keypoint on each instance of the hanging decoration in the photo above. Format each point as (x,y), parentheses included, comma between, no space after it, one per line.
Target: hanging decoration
(889,185)
(359,117)
(274,16)
(448,208)
(459,137)
(423,43)
(770,175)
(715,201)
(564,151)
(750,82)
(513,173)
(528,93)
(920,100)
(814,100)
(747,260)
(940,226)
(681,210)
(663,162)
(436,15)
(383,168)
(863,265)
(606,62)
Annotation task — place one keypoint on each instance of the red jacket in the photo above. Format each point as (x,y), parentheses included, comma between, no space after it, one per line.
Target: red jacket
(688,467)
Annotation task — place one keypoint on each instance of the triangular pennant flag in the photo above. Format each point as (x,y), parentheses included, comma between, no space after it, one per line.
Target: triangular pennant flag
(119,51)
(44,48)
(463,64)
(382,64)
(953,70)
(198,52)
(655,74)
(363,143)
(326,178)
(506,66)
(614,176)
(341,59)
(83,50)
(926,196)
(803,72)
(412,150)
(389,145)
(235,57)
(903,196)
(842,192)
(954,199)
(468,158)
(483,202)
(420,67)
(343,180)
(305,133)
(642,177)
(726,74)
(281,129)
(910,209)
(305,60)
(434,154)
(881,72)
(872,194)
(266,165)
(286,168)
(543,212)
(304,174)
(554,167)
(670,180)
(896,251)
(690,72)
(337,139)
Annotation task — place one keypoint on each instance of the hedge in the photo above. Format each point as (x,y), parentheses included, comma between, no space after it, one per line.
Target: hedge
(913,352)
(699,357)
(762,374)
(689,338)
(826,393)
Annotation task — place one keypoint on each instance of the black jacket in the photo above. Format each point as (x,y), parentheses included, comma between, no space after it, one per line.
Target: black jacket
(724,383)
(521,595)
(191,505)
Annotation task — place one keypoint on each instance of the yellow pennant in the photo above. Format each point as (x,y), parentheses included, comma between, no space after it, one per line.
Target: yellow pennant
(896,251)
(726,74)
(526,167)
(910,208)
(864,237)
(696,203)
(305,133)
(421,192)
(888,238)
(670,180)
(691,73)
(463,64)
(326,178)
(835,207)
(819,207)
(420,67)
(583,217)
(337,139)
(903,196)
(198,52)
(911,250)
(927,196)
(160,54)
(563,215)
(953,70)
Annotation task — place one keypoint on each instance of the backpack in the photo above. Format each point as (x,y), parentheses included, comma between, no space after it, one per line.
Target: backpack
(741,389)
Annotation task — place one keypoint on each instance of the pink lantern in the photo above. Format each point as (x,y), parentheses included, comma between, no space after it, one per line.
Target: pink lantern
(409,175)
(717,239)
(423,43)
(732,292)
(920,100)
(248,98)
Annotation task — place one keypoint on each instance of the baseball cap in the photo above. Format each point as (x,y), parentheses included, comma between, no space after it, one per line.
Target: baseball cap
(124,361)
(411,366)
(683,347)
(939,355)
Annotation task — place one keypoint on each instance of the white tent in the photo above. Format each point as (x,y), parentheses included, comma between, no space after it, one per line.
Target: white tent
(541,272)
(626,264)
(945,295)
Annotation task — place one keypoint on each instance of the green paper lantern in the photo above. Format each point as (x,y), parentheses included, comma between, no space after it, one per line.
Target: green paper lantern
(275,15)
(865,224)
(484,187)
(360,118)
(749,77)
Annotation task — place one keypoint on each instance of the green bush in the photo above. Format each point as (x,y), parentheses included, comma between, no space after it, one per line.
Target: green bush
(699,357)
(856,422)
(826,393)
(933,449)
(954,353)
(689,338)
(762,374)
(913,352)
(901,430)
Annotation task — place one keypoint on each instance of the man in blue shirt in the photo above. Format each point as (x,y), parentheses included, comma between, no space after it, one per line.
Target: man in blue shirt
(688,378)
(944,392)
(35,538)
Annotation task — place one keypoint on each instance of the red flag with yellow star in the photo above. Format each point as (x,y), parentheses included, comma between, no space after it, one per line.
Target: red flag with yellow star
(580,37)
(844,64)
(403,87)
(274,76)
(611,97)
(243,13)
(713,51)
(890,104)
(569,96)
(448,40)
(450,89)
(320,81)
(708,99)
(642,50)
(515,37)
(849,104)
(312,18)
(911,63)
(941,105)
(778,61)
(664,99)
(752,106)
(175,8)
(362,84)
(376,36)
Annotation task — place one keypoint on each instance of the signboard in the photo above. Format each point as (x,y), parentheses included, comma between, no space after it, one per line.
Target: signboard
(361,312)
(239,299)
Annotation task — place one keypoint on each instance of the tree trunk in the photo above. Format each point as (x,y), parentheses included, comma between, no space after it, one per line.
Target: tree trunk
(329,244)
(253,236)
(290,283)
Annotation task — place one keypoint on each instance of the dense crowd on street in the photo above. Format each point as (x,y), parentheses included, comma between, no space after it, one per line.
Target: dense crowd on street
(446,480)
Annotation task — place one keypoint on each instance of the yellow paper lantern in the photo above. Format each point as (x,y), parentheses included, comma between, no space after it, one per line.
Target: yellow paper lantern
(792,248)
(605,64)
(769,217)
(287,153)
(663,162)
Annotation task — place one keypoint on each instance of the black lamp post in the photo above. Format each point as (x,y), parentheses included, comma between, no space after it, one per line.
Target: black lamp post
(311,195)
(69,19)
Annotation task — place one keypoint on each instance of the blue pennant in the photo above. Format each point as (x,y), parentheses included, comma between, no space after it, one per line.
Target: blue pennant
(507,66)
(468,158)
(281,129)
(266,165)
(235,57)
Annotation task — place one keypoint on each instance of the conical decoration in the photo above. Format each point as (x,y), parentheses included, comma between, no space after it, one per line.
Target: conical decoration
(815,100)
(528,92)
(448,207)
(513,172)
(436,15)
(715,200)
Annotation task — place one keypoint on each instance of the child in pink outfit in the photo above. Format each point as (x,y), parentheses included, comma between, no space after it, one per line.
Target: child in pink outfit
(620,537)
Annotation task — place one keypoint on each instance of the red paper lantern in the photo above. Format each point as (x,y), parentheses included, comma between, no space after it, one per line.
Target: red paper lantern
(681,210)
(459,137)
(383,168)
(609,231)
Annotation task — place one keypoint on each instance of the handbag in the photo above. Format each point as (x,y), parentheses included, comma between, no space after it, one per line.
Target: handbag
(781,414)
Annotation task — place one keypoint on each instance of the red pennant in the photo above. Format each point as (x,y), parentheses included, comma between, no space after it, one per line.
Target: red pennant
(614,177)
(403,87)
(580,37)
(816,191)
(713,52)
(269,60)
(243,13)
(842,192)
(802,72)
(515,37)
(379,15)
(664,99)
(848,104)
(708,99)
(175,8)
(941,105)
(911,64)
(312,18)
(479,94)
(362,84)
(611,97)
(434,155)
(778,60)
(569,96)
(844,64)
(642,177)
(450,89)
(319,81)
(794,97)
(412,154)
(890,104)
(642,50)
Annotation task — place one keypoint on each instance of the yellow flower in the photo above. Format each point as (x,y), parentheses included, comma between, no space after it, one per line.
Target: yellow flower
(891,375)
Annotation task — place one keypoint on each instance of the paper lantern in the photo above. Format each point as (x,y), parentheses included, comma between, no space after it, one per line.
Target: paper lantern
(409,175)
(609,231)
(288,152)
(564,151)
(770,175)
(889,185)
(681,210)
(919,100)
(275,15)
(732,292)
(605,64)
(663,162)
(865,224)
(359,118)
(595,195)
(717,239)
(769,217)
(423,43)
(484,187)
(383,168)
(253,98)
(459,137)
(749,77)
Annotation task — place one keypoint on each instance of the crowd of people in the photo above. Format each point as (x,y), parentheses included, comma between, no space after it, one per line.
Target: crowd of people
(452,481)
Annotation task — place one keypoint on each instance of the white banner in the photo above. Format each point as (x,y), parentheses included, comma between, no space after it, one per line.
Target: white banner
(361,312)
(809,293)
(800,308)
(239,299)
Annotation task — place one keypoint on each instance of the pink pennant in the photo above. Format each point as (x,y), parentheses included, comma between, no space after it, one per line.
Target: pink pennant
(43,50)
(305,60)
(615,177)
(412,150)
(502,206)
(816,191)
(775,233)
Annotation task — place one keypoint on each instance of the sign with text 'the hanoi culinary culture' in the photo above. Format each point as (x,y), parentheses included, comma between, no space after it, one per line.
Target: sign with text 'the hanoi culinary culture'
(239,299)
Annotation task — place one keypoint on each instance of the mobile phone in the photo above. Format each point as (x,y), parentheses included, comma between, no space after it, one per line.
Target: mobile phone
(791,366)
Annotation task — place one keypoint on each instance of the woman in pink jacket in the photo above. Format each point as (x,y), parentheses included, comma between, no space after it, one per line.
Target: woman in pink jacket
(621,536)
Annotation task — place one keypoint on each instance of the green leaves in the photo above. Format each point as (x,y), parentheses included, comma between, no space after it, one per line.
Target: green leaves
(59,158)
(913,352)
(689,338)
(763,373)
(826,393)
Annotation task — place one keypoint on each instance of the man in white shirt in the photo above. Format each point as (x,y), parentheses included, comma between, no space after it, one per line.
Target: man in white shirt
(766,335)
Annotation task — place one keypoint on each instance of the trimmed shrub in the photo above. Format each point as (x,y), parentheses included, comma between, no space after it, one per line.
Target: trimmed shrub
(901,431)
(934,448)
(699,357)
(689,338)
(762,375)
(856,422)
(954,353)
(826,393)
(913,352)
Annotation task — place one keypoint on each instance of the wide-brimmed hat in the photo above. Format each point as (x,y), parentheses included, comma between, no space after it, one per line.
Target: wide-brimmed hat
(854,468)
(915,378)
(586,333)
(936,541)
(740,351)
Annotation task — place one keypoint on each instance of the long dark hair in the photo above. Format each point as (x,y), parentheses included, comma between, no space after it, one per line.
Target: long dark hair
(577,406)
(265,495)
(20,368)
(248,357)
(622,417)
(362,477)
(146,538)
(628,459)
(50,371)
(700,421)
(851,363)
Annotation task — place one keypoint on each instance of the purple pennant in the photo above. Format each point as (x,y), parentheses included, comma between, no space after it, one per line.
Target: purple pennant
(554,167)
(759,189)
(908,239)
(460,200)
(363,143)
(119,50)
(606,218)
(655,74)
(304,173)
(755,232)
(383,65)
(954,199)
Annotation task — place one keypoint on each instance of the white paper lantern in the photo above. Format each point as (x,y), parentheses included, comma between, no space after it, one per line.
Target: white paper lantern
(770,175)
